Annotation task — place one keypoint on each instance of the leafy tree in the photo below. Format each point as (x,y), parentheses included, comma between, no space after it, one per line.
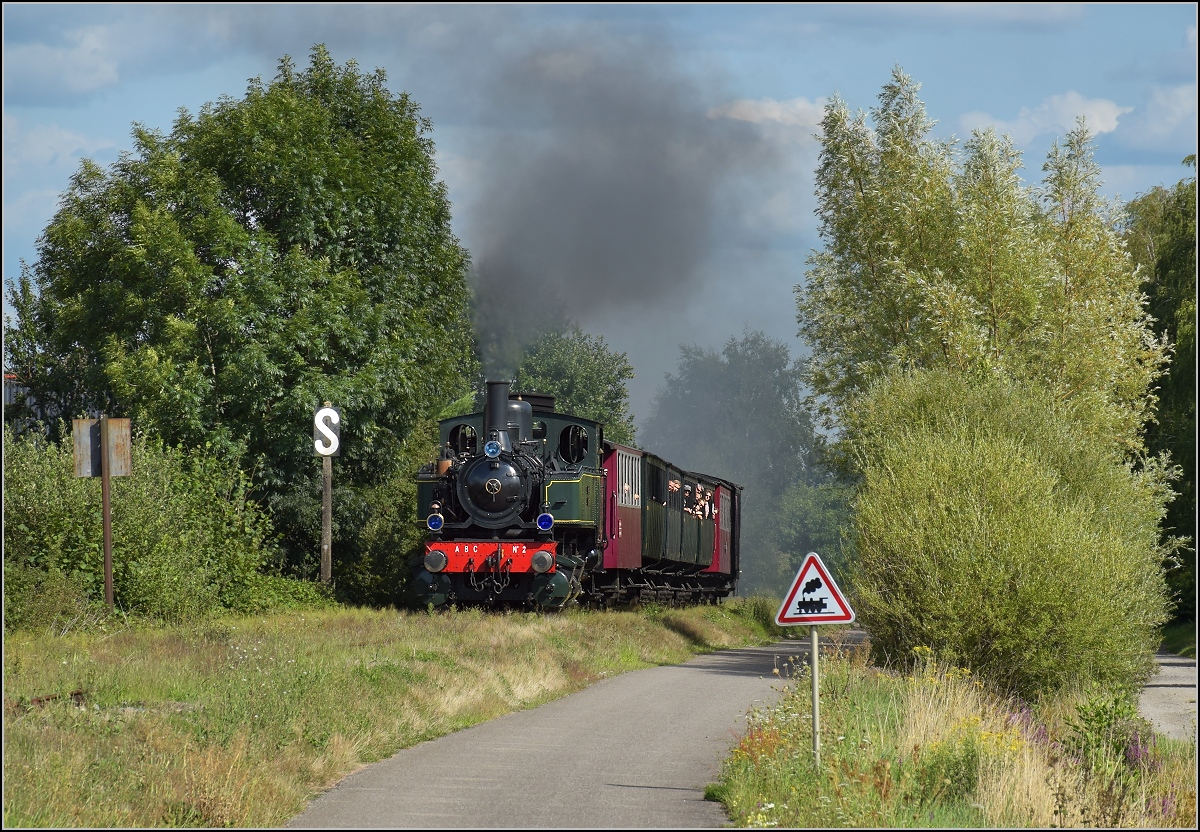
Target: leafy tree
(932,260)
(585,377)
(740,414)
(991,529)
(219,283)
(813,516)
(988,349)
(1161,233)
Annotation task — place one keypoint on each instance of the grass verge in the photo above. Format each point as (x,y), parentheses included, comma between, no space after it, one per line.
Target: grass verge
(240,721)
(937,750)
(1180,639)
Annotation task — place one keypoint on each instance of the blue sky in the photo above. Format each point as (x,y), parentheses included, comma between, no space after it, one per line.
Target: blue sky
(543,115)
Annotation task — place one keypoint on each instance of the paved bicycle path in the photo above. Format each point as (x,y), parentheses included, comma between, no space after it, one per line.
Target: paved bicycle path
(632,751)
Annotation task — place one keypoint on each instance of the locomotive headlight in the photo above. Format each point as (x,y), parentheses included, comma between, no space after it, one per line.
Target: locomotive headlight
(545,521)
(541,561)
(491,448)
(435,522)
(435,561)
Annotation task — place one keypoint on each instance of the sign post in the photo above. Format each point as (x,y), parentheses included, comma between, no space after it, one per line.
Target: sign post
(102,450)
(814,599)
(327,444)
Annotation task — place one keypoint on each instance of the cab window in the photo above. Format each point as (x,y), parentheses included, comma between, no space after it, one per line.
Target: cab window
(573,444)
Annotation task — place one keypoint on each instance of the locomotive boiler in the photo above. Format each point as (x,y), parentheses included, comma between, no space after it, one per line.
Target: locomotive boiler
(529,507)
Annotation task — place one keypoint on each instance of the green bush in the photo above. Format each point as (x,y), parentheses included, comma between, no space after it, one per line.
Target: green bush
(47,599)
(1107,732)
(947,771)
(187,540)
(996,529)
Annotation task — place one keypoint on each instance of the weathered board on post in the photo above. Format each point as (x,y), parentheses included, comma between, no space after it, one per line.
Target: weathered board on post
(88,461)
(102,450)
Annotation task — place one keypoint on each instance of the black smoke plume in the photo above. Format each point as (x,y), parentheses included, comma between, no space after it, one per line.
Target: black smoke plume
(601,187)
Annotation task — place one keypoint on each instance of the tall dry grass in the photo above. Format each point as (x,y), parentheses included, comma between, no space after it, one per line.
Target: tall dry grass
(239,721)
(936,748)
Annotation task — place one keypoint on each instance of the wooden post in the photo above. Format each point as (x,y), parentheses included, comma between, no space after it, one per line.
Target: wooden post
(326,519)
(106,509)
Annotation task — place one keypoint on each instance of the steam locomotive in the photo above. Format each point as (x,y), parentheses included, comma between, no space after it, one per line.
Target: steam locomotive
(533,508)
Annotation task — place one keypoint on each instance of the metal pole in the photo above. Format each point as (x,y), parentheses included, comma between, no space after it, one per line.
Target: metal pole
(812,635)
(326,519)
(106,509)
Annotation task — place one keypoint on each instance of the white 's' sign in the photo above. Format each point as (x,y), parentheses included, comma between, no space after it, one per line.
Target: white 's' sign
(327,432)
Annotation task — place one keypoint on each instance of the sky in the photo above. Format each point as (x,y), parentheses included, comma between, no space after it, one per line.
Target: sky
(648,168)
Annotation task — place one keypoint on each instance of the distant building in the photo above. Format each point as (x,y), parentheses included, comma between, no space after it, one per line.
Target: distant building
(10,389)
(16,397)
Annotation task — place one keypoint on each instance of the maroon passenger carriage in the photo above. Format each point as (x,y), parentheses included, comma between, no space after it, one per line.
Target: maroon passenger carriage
(672,535)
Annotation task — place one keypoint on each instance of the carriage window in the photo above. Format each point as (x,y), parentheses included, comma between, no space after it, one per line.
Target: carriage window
(539,430)
(629,480)
(573,444)
(462,439)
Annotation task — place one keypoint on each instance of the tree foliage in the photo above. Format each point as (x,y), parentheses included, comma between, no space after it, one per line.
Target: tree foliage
(219,283)
(1161,233)
(992,530)
(988,349)
(940,258)
(585,377)
(740,414)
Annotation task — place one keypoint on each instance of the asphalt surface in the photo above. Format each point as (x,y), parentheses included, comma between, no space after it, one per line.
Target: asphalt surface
(1169,698)
(634,750)
(623,753)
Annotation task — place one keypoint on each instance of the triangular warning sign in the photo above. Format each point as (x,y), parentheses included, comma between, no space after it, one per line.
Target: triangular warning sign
(813,598)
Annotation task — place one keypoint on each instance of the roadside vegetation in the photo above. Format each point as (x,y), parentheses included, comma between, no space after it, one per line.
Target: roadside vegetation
(188,542)
(988,351)
(238,721)
(934,748)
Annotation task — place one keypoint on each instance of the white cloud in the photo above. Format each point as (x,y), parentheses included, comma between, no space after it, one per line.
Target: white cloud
(1168,120)
(88,63)
(45,145)
(29,212)
(1124,182)
(796,112)
(1055,115)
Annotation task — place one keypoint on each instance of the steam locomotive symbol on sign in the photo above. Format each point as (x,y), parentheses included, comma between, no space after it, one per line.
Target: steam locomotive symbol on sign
(810,606)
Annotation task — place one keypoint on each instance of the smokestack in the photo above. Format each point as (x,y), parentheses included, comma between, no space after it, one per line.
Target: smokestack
(495,410)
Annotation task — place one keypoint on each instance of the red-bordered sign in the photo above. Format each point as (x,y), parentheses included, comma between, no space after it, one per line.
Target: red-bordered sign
(813,598)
